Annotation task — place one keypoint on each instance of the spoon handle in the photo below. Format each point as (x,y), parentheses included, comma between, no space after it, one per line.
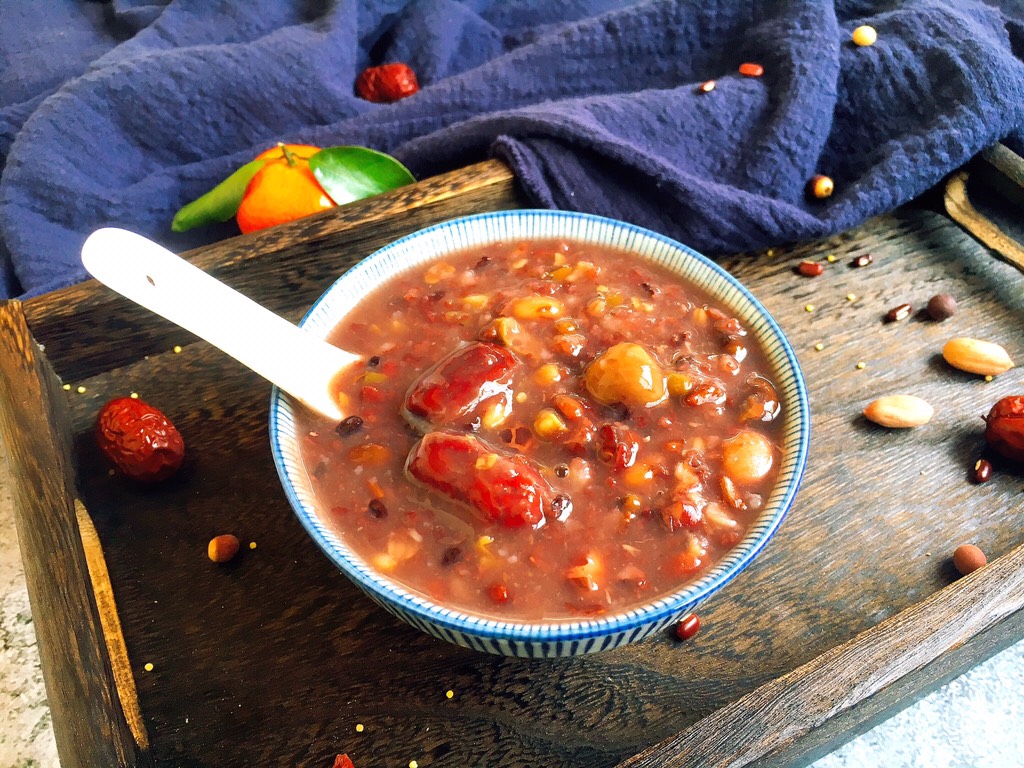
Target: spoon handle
(148,274)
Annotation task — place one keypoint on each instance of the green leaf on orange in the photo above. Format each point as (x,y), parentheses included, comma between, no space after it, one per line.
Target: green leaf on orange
(353,173)
(220,203)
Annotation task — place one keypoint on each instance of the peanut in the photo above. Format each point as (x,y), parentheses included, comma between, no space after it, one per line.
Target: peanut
(899,411)
(974,356)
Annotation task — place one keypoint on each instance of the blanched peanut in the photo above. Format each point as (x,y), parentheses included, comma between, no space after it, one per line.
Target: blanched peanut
(402,545)
(717,516)
(626,373)
(584,270)
(748,457)
(536,308)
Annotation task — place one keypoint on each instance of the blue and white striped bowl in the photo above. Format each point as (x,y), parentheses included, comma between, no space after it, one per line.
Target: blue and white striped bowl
(566,638)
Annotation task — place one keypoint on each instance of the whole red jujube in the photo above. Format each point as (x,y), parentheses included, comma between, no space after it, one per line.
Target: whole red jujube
(140,441)
(1004,430)
(386,83)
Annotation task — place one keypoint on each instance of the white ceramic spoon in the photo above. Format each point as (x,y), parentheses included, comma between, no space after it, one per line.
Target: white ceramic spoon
(148,274)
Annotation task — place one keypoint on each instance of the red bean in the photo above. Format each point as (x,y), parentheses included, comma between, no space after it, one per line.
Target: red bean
(688,627)
(901,312)
(617,445)
(349,426)
(451,556)
(498,593)
(749,69)
(810,268)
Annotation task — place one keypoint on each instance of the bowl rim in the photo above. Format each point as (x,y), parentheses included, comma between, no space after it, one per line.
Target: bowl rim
(658,608)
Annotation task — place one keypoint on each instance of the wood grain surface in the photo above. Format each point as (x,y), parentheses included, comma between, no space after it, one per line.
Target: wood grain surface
(89,724)
(275,658)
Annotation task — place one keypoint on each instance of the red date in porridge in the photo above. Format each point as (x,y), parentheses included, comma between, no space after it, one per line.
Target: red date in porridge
(545,431)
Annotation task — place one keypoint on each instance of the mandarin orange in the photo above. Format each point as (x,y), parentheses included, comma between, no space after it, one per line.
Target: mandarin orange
(283,190)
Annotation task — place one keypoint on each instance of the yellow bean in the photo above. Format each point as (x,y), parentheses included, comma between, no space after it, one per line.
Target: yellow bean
(548,424)
(548,374)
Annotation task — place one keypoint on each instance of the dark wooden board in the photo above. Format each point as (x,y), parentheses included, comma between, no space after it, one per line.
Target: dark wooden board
(851,611)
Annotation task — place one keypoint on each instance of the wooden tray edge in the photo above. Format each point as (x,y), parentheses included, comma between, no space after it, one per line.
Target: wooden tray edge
(64,319)
(824,702)
(87,704)
(1002,169)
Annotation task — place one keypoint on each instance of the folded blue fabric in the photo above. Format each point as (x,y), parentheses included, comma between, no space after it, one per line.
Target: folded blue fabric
(119,113)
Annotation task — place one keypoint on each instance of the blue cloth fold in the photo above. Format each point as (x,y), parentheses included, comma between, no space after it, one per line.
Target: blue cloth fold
(118,113)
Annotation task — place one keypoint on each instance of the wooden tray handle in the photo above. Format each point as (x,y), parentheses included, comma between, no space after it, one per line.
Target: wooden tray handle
(1003,170)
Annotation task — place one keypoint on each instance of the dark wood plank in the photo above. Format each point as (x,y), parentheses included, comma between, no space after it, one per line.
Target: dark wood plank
(89,722)
(274,659)
(767,726)
(88,328)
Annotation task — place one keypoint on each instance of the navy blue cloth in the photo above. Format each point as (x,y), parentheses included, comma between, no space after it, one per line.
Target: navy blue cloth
(118,113)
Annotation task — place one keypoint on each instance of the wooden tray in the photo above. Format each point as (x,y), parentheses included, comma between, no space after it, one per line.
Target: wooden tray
(850,613)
